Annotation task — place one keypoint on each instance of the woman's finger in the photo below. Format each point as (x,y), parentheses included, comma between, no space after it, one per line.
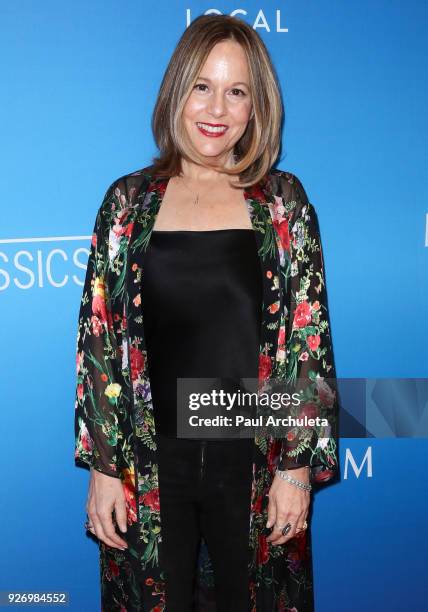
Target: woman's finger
(294,520)
(107,525)
(303,518)
(284,539)
(99,531)
(281,522)
(120,514)
(281,519)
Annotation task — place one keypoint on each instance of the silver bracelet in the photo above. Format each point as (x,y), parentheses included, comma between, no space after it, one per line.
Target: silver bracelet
(298,483)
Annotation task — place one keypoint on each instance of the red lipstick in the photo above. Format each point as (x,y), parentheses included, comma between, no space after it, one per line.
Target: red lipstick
(212,134)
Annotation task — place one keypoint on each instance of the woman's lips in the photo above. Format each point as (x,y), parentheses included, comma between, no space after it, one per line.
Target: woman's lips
(211,134)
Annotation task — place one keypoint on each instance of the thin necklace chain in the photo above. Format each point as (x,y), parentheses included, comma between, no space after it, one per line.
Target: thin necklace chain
(197,198)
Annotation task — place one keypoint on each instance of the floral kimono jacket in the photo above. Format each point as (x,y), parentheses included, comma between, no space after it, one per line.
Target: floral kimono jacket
(114,425)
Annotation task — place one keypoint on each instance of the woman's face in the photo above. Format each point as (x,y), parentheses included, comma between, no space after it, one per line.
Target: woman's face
(218,110)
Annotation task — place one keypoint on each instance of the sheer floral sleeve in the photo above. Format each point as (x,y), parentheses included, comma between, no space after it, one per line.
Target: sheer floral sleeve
(309,354)
(98,387)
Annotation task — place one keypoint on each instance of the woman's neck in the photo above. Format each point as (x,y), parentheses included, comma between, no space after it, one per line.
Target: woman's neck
(200,174)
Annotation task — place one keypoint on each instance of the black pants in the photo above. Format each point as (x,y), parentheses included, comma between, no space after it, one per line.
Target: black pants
(205,490)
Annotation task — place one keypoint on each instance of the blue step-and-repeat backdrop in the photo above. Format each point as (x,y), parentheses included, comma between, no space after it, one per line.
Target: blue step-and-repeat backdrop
(78,84)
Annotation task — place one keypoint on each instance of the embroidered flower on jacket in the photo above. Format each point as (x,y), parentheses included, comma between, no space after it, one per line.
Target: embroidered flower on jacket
(278,208)
(98,300)
(313,342)
(265,366)
(298,235)
(151,499)
(113,244)
(302,315)
(273,308)
(137,362)
(283,233)
(322,442)
(97,327)
(280,355)
(113,390)
(85,439)
(129,491)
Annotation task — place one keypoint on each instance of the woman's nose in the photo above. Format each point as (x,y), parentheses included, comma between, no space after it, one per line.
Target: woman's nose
(217,104)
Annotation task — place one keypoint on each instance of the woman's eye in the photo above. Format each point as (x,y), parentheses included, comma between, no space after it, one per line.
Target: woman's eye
(240,90)
(200,85)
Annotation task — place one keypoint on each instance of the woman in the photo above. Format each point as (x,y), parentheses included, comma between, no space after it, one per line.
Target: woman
(209,224)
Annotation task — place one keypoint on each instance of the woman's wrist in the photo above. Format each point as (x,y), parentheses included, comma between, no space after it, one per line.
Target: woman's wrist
(299,477)
(301,473)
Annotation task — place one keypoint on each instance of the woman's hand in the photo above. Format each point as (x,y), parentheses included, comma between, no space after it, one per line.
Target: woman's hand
(105,495)
(287,504)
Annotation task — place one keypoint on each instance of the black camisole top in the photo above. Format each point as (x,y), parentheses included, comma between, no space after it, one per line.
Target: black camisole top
(202,309)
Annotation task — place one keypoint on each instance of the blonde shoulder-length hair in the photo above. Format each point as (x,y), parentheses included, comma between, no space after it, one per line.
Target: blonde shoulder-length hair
(258,148)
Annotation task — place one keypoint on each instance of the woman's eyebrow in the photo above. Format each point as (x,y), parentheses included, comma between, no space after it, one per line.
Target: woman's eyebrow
(232,84)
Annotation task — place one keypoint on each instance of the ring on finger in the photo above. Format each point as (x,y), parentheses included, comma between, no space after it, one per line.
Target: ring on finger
(304,526)
(285,529)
